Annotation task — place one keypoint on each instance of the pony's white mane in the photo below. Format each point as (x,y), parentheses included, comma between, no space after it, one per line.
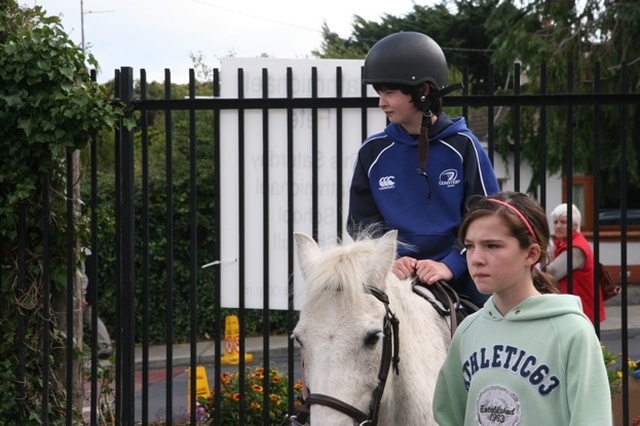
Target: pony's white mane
(348,269)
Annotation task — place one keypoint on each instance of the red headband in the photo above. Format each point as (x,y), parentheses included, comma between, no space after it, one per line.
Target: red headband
(520,215)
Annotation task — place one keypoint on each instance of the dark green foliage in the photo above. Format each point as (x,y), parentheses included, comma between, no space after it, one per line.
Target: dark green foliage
(161,286)
(457,26)
(559,34)
(48,106)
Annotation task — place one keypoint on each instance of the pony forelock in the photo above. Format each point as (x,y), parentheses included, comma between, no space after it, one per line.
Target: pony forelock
(347,269)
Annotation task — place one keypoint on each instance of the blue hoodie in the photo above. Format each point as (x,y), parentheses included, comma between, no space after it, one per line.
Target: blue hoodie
(387,190)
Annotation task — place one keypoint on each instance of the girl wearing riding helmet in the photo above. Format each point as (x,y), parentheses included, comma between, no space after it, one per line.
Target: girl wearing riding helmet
(530,356)
(416,175)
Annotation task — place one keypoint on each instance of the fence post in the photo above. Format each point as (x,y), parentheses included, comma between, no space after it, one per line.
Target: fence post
(126,240)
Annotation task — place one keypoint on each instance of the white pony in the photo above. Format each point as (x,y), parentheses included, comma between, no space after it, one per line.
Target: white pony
(341,332)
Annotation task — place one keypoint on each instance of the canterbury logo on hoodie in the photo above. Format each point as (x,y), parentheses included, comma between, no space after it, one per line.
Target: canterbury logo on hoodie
(386,182)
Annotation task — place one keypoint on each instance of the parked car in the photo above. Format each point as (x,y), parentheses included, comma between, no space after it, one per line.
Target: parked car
(614,217)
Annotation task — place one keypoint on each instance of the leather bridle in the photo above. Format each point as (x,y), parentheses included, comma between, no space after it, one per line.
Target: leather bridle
(390,350)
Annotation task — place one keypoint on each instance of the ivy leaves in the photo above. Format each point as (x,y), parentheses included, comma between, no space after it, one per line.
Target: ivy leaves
(48,102)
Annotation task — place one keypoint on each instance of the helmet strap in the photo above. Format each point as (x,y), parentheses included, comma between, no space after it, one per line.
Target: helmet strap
(426,101)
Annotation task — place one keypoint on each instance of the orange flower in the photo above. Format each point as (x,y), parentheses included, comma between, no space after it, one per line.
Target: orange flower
(253,393)
(226,378)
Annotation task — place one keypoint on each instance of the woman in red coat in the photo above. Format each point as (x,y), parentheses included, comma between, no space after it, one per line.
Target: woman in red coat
(582,260)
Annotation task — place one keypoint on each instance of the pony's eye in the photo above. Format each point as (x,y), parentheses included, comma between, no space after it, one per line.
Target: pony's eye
(372,339)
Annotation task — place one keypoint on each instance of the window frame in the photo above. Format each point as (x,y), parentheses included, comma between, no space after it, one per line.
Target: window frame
(582,187)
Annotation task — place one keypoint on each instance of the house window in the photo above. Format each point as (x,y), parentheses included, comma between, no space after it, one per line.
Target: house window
(582,193)
(609,219)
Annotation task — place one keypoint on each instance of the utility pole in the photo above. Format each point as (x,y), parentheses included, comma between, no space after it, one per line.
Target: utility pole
(82,23)
(82,13)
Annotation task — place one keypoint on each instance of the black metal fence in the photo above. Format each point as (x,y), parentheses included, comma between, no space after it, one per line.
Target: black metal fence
(133,259)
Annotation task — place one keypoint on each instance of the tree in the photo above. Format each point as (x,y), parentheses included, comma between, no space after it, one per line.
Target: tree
(458,26)
(559,33)
(48,107)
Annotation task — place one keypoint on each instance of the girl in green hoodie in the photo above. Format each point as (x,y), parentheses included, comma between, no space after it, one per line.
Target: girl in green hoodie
(530,356)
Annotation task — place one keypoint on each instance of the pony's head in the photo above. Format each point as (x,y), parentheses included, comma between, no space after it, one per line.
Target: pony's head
(341,325)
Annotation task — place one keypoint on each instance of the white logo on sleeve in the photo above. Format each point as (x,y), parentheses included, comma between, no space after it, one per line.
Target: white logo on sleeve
(498,406)
(386,182)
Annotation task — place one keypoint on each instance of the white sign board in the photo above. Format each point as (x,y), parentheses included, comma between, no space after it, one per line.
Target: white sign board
(249,170)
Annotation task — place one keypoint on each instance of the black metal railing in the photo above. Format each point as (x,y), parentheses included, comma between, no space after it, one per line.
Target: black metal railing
(132,251)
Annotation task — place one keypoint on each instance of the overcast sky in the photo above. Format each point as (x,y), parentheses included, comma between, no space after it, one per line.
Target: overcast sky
(159,34)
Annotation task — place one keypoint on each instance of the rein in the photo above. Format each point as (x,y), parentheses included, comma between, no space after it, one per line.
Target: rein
(446,301)
(389,354)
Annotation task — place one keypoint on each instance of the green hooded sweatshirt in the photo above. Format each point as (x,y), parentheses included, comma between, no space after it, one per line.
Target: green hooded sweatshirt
(540,364)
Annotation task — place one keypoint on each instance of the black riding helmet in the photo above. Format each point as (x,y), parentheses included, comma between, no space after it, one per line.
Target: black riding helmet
(408,58)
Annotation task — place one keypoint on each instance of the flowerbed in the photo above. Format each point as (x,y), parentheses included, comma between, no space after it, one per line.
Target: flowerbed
(254,383)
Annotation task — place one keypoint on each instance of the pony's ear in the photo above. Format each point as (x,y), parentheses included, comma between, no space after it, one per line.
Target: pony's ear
(307,249)
(385,256)
(388,244)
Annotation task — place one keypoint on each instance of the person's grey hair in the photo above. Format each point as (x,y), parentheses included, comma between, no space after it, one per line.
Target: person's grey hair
(561,211)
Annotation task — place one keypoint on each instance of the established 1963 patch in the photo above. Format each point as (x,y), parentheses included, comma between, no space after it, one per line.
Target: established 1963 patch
(497,406)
